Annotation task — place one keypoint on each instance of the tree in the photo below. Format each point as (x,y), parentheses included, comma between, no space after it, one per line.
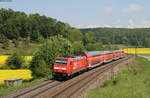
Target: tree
(52,48)
(88,37)
(56,46)
(74,35)
(94,46)
(78,47)
(147,42)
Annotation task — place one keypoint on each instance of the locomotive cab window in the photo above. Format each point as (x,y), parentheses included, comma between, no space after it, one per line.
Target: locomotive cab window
(61,61)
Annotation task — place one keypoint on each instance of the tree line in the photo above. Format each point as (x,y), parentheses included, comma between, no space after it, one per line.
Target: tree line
(138,37)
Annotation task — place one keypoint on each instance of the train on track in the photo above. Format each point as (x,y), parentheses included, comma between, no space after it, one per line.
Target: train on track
(67,67)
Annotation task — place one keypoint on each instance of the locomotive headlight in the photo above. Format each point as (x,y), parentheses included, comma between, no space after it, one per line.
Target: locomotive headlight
(64,68)
(56,67)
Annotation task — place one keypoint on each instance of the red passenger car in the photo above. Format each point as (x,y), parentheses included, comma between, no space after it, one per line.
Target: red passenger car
(118,54)
(94,58)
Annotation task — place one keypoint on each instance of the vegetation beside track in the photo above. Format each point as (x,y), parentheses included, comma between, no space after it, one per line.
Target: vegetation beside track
(26,83)
(144,55)
(131,82)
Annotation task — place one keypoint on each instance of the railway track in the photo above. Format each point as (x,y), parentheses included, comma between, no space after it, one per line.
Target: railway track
(70,88)
(34,90)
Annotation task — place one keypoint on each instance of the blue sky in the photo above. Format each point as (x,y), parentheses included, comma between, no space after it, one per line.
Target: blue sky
(88,13)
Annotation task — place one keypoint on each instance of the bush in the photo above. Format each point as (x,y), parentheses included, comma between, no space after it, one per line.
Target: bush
(15,61)
(39,67)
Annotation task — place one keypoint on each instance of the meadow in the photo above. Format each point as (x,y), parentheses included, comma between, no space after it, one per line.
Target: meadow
(13,74)
(23,49)
(131,82)
(137,50)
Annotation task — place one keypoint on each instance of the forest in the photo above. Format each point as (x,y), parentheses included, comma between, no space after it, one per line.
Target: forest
(34,27)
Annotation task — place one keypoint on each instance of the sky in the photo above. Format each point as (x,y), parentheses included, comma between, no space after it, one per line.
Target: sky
(88,13)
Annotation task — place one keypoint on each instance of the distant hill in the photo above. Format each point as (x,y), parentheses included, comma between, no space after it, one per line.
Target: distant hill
(139,37)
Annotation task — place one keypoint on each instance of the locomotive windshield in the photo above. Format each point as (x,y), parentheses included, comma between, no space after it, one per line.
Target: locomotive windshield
(61,61)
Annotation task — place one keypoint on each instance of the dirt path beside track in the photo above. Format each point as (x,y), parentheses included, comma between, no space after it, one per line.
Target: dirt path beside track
(147,57)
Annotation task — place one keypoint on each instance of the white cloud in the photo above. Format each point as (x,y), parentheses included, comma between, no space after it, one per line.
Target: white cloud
(108,10)
(132,8)
(140,24)
(145,23)
(118,24)
(92,26)
(86,26)
(131,24)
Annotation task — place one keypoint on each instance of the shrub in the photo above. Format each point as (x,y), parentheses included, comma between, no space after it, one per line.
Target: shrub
(15,61)
(38,66)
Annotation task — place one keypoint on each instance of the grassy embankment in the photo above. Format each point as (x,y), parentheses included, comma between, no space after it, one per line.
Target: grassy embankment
(26,83)
(131,82)
(144,54)
(25,50)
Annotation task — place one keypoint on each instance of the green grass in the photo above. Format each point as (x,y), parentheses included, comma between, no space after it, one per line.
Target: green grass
(131,82)
(25,50)
(144,54)
(6,90)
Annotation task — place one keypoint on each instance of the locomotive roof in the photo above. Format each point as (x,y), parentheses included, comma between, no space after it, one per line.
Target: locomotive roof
(107,51)
(78,57)
(117,51)
(94,53)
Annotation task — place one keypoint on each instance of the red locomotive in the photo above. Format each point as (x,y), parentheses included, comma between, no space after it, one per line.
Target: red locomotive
(66,67)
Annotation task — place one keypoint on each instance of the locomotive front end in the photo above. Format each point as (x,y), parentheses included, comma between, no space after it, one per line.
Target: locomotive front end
(60,68)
